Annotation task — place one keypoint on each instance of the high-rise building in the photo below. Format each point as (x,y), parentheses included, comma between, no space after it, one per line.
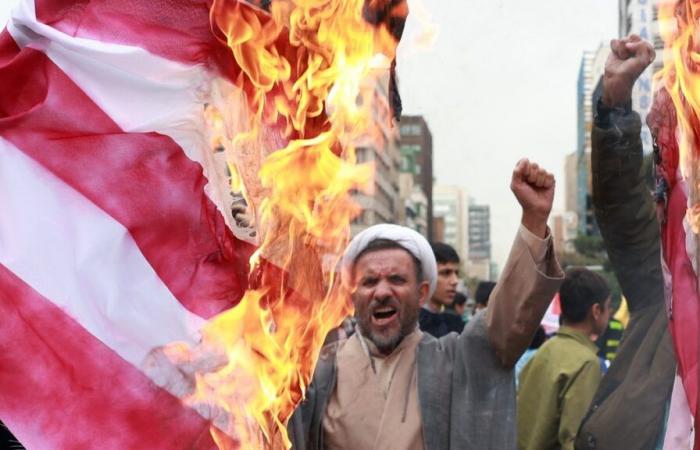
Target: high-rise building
(381,204)
(438,229)
(570,184)
(451,203)
(416,143)
(588,92)
(479,225)
(414,213)
(584,97)
(564,230)
(479,231)
(641,17)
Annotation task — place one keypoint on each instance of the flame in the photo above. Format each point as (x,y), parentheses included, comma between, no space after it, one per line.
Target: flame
(678,21)
(309,76)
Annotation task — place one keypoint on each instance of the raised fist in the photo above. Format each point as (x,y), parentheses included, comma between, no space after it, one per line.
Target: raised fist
(627,61)
(534,189)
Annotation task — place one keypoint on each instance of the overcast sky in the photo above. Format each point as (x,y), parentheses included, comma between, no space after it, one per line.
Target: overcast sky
(497,83)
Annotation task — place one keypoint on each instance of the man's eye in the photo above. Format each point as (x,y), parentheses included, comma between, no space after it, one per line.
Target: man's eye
(367,282)
(397,279)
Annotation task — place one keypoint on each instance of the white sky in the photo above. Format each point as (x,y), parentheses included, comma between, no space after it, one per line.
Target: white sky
(498,83)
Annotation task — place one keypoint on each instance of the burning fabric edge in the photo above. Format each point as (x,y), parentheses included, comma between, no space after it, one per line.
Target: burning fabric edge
(674,121)
(316,82)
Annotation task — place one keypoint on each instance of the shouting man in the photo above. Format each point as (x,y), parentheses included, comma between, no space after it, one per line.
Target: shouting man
(390,386)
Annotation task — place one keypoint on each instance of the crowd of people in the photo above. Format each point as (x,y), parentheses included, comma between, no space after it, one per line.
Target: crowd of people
(422,370)
(418,367)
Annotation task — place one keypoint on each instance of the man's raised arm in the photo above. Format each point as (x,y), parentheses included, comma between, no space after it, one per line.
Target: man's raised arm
(531,275)
(623,204)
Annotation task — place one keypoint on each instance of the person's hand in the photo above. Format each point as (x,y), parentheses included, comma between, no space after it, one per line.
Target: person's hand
(534,189)
(628,59)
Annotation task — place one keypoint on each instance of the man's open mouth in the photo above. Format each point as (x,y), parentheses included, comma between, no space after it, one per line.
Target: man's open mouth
(384,315)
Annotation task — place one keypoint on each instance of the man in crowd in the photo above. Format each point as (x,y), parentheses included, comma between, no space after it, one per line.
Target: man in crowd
(433,318)
(557,385)
(390,386)
(459,307)
(481,297)
(628,410)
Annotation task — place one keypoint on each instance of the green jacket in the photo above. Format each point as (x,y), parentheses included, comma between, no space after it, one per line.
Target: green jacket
(628,410)
(556,389)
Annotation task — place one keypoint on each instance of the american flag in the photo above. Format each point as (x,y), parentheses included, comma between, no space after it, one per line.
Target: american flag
(114,232)
(116,235)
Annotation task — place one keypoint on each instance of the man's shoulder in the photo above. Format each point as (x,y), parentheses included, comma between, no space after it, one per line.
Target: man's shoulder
(424,313)
(330,351)
(567,353)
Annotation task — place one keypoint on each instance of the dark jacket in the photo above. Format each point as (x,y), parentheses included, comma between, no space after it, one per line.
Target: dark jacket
(439,324)
(629,407)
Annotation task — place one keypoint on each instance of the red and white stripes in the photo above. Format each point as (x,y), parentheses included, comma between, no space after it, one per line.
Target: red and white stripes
(113,223)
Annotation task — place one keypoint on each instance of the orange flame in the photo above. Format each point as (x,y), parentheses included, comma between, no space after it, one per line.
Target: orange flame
(310,68)
(678,21)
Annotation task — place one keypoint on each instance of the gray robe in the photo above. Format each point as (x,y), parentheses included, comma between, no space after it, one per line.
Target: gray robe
(466,386)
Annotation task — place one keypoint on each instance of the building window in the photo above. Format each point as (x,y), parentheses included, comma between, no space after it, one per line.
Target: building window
(658,42)
(410,129)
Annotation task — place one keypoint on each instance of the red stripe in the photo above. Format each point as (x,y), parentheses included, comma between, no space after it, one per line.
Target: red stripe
(64,389)
(8,47)
(142,180)
(686,300)
(176,30)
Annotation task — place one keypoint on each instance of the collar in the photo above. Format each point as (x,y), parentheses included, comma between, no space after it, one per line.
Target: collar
(371,349)
(579,337)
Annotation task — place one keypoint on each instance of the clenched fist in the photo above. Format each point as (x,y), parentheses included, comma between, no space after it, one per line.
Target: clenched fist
(534,189)
(628,59)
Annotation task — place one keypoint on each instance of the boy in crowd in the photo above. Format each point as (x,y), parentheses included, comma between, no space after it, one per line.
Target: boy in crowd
(432,318)
(558,384)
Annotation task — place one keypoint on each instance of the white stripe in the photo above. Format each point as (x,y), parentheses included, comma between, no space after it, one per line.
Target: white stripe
(140,91)
(86,263)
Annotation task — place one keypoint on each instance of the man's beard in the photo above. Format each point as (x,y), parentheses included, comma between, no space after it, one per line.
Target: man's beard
(386,342)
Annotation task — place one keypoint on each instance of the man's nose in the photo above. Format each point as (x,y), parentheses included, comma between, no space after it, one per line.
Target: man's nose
(382,290)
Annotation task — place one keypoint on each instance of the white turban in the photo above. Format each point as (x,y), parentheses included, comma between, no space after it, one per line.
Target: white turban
(407,238)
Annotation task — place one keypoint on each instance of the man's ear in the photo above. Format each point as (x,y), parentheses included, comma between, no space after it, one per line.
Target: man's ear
(423,290)
(596,311)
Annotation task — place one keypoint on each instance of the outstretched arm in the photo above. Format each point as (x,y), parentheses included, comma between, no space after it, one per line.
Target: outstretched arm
(623,204)
(531,275)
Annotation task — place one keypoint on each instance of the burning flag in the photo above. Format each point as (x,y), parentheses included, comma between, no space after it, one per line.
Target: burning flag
(675,122)
(119,255)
